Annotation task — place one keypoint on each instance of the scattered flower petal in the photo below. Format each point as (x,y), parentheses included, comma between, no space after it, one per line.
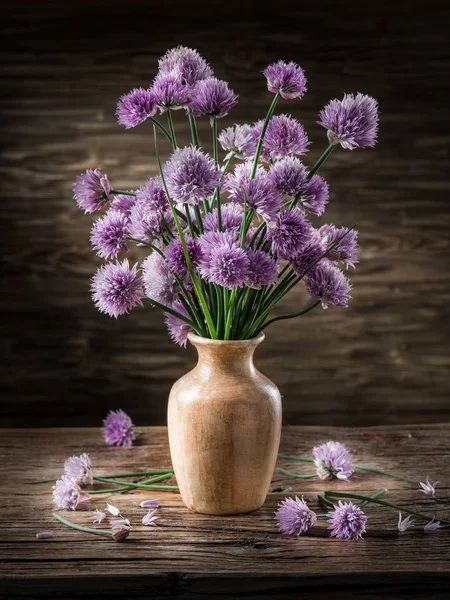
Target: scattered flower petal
(113,510)
(432,526)
(149,504)
(44,535)
(98,516)
(428,488)
(406,523)
(150,518)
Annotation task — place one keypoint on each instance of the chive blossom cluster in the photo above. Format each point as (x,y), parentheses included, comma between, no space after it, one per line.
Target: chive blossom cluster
(227,236)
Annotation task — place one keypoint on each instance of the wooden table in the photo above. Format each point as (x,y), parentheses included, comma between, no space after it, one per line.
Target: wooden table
(195,556)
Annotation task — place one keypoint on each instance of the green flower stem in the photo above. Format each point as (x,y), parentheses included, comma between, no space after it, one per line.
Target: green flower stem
(171,128)
(163,130)
(194,132)
(263,133)
(359,467)
(144,243)
(123,192)
(321,160)
(42,481)
(143,486)
(102,532)
(295,475)
(197,287)
(139,474)
(216,160)
(370,499)
(198,218)
(326,502)
(376,495)
(229,319)
(171,311)
(291,316)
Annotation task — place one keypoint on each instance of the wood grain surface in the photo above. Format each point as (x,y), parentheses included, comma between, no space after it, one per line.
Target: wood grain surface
(63,66)
(189,555)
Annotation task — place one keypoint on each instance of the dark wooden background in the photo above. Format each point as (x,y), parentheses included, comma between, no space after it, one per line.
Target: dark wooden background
(63,66)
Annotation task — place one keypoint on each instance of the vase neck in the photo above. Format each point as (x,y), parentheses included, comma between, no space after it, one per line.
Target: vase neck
(234,357)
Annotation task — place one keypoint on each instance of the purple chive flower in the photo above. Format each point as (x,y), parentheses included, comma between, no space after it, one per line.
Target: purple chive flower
(210,241)
(44,535)
(347,521)
(315,195)
(109,234)
(294,516)
(310,255)
(284,136)
(150,518)
(159,281)
(170,93)
(190,65)
(153,195)
(329,284)
(428,488)
(333,460)
(123,203)
(149,504)
(118,430)
(432,526)
(213,98)
(231,214)
(147,223)
(117,288)
(120,531)
(98,516)
(191,175)
(259,193)
(289,176)
(79,469)
(289,233)
(262,269)
(404,524)
(176,258)
(92,190)
(68,495)
(228,266)
(351,122)
(178,329)
(287,79)
(113,510)
(135,107)
(347,249)
(239,140)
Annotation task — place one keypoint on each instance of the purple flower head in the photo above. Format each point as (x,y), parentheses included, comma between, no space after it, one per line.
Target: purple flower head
(289,176)
(228,266)
(117,288)
(150,518)
(329,284)
(135,107)
(79,469)
(213,98)
(153,195)
(284,136)
(347,250)
(259,193)
(262,269)
(289,233)
(176,258)
(109,234)
(123,203)
(294,516)
(310,254)
(333,460)
(190,175)
(347,521)
(92,190)
(178,329)
(169,92)
(351,122)
(287,79)
(432,526)
(118,429)
(190,65)
(68,495)
(231,217)
(239,140)
(159,281)
(147,223)
(428,488)
(404,524)
(315,196)
(210,241)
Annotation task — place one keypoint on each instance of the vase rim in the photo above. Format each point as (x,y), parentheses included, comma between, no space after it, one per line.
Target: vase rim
(199,340)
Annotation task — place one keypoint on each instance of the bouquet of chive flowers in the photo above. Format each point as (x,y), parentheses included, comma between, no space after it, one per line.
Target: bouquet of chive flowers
(228,235)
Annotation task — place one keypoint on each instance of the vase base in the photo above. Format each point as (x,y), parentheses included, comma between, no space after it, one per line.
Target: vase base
(224,512)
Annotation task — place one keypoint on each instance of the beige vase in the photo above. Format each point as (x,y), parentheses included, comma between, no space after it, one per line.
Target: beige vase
(224,421)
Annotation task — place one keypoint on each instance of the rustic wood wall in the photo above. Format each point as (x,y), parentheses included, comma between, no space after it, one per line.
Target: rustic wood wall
(64,64)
